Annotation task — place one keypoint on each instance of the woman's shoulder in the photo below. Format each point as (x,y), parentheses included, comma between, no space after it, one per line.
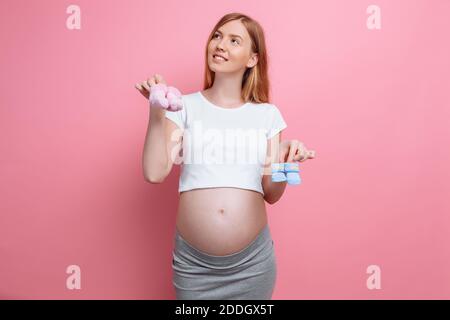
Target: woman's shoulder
(264,106)
(190,94)
(190,98)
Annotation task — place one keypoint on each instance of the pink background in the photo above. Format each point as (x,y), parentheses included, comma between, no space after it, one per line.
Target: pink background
(374,104)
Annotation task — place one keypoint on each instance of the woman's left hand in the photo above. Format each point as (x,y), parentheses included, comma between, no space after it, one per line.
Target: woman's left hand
(295,150)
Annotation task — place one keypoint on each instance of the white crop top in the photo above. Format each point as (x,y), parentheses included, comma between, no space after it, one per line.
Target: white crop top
(224,147)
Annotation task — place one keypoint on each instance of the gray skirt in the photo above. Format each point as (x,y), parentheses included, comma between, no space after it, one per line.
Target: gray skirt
(247,274)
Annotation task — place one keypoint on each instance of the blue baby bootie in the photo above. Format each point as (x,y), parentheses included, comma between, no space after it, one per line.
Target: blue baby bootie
(292,173)
(278,172)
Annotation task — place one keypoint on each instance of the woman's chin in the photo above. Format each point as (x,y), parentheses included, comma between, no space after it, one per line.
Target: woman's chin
(214,68)
(218,69)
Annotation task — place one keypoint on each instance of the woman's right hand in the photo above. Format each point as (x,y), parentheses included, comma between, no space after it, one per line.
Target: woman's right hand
(144,87)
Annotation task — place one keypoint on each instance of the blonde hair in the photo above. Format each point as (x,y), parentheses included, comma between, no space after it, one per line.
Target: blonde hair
(255,81)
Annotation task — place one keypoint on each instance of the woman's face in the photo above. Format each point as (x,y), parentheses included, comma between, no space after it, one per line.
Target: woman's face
(233,42)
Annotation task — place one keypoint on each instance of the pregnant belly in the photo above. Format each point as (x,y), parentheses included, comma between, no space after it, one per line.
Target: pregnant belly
(220,221)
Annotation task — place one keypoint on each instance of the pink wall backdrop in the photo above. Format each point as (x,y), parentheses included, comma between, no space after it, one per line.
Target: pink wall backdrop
(373,103)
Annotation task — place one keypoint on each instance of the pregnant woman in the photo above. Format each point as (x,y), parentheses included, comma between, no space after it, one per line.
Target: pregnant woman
(223,245)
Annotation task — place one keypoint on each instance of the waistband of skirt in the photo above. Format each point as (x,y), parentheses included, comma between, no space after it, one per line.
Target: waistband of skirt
(261,239)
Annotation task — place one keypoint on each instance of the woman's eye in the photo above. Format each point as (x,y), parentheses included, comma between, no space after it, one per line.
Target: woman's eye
(215,36)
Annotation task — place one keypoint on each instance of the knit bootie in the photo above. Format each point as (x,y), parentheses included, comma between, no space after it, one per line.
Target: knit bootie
(162,96)
(286,172)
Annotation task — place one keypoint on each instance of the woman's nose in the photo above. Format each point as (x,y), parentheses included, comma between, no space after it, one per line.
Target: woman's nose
(220,45)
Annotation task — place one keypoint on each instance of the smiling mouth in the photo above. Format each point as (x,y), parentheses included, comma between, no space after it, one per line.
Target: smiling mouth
(217,58)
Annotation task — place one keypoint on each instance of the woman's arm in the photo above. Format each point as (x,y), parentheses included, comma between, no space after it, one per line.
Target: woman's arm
(272,190)
(163,142)
(163,139)
(154,157)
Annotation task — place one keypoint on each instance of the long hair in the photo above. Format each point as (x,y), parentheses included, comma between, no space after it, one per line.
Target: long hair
(255,81)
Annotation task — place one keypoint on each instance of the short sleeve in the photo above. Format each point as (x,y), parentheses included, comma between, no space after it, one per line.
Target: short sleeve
(179,117)
(276,122)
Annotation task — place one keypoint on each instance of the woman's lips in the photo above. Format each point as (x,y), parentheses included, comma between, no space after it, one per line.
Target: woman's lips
(216,58)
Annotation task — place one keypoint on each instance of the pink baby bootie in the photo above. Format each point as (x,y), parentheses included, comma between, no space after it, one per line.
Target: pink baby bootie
(174,98)
(162,96)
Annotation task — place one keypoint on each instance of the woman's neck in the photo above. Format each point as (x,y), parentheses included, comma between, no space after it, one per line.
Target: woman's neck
(226,91)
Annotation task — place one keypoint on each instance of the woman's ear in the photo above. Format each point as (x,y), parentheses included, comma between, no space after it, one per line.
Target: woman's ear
(253,61)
